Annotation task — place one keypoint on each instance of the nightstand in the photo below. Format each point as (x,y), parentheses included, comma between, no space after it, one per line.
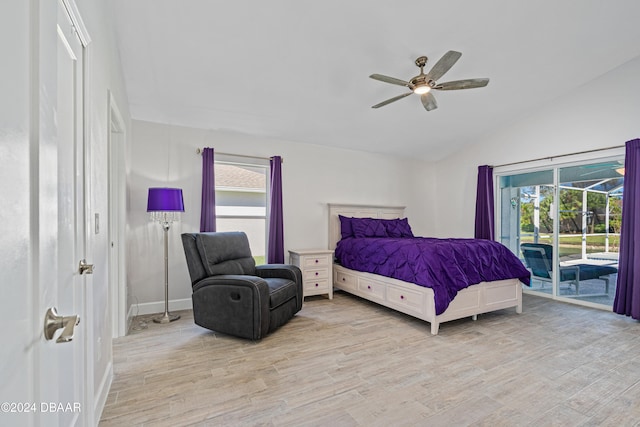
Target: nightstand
(317,272)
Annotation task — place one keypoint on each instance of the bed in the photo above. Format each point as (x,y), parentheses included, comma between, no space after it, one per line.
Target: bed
(407,297)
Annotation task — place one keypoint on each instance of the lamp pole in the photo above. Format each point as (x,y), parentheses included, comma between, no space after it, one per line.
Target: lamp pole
(166,317)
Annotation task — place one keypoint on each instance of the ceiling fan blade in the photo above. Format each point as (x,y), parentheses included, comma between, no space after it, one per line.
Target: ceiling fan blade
(390,100)
(391,80)
(429,101)
(443,65)
(462,84)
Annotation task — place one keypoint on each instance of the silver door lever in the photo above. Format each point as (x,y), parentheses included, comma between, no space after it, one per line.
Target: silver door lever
(84,268)
(53,322)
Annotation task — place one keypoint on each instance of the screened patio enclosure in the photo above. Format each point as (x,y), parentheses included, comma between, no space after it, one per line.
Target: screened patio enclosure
(564,223)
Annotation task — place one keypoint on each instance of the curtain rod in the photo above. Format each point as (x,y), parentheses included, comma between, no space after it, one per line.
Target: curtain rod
(559,155)
(199,151)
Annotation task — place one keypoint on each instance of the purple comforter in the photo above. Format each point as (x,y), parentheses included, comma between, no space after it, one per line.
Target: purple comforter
(444,265)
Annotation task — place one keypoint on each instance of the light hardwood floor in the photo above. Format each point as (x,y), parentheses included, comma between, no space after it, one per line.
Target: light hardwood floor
(348,362)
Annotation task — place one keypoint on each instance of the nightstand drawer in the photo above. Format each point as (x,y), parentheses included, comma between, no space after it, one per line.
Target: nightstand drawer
(315,261)
(315,274)
(316,285)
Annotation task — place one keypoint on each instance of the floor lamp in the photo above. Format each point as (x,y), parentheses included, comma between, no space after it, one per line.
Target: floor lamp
(164,206)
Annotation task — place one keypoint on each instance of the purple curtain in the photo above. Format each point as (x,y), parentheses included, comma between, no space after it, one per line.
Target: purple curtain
(208,208)
(275,250)
(484,204)
(627,299)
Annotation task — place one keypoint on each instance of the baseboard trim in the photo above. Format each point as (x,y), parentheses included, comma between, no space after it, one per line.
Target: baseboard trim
(100,398)
(157,307)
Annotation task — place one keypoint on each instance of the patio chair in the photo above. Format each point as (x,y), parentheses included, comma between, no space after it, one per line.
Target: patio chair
(538,258)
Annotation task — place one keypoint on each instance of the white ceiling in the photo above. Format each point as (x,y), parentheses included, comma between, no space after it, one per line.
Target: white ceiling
(298,70)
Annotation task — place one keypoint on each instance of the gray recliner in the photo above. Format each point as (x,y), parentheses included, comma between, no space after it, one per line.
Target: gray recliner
(234,296)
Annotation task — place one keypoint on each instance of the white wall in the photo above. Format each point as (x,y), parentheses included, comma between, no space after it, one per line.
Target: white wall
(600,114)
(165,155)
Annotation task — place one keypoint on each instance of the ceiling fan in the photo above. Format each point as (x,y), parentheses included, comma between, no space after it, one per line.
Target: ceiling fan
(423,83)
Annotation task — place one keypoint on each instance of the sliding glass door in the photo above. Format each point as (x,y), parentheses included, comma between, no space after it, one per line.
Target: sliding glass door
(526,211)
(564,223)
(589,218)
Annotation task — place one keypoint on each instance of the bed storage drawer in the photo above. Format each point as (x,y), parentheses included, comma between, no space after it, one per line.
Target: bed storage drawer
(345,281)
(373,290)
(405,298)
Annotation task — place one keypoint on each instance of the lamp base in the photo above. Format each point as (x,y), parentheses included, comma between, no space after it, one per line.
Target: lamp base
(166,318)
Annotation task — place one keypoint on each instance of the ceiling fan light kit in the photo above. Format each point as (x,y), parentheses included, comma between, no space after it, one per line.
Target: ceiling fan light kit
(423,83)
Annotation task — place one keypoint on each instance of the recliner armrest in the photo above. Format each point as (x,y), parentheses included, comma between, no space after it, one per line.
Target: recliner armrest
(233,304)
(284,271)
(233,280)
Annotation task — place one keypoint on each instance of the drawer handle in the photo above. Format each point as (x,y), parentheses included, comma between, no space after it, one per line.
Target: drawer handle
(317,261)
(343,279)
(401,296)
(316,273)
(316,285)
(368,286)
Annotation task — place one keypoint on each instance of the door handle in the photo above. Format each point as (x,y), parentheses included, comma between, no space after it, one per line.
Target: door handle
(53,322)
(84,268)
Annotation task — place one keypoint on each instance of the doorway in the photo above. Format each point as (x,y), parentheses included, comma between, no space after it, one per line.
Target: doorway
(117,214)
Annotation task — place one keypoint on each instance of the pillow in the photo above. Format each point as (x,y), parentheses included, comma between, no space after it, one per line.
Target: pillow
(374,227)
(346,230)
(368,227)
(398,227)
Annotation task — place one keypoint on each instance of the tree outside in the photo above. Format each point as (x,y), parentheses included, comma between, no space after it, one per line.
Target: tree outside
(570,219)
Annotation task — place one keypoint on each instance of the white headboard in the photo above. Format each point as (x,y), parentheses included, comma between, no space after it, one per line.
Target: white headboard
(357,211)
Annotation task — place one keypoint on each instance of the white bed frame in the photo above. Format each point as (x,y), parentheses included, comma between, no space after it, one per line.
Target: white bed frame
(408,298)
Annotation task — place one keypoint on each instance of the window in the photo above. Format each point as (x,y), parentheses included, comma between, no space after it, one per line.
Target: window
(564,223)
(241,200)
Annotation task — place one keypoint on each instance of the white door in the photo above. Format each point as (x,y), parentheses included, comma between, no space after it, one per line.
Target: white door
(62,363)
(41,150)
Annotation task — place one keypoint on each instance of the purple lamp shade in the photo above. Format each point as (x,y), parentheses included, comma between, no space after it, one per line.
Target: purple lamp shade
(165,200)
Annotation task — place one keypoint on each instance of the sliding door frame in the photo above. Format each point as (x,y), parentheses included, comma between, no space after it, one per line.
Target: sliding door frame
(554,165)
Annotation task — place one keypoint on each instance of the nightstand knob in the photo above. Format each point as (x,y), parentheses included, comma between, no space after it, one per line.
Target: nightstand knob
(316,273)
(401,296)
(316,285)
(317,261)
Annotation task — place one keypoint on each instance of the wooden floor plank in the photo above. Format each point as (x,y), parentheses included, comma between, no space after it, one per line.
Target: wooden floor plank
(348,362)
